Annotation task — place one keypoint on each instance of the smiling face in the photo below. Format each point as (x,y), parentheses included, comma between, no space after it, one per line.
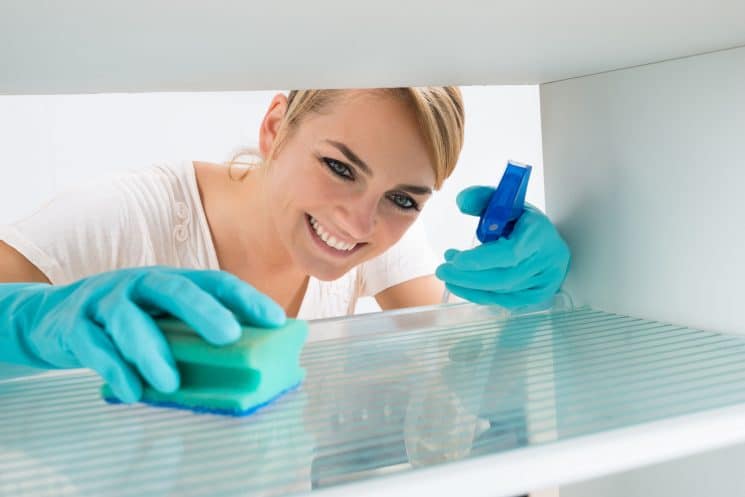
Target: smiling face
(346,183)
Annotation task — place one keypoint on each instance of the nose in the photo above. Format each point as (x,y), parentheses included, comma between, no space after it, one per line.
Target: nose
(358,216)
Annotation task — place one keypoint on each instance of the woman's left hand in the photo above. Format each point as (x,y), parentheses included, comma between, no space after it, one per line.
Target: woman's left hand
(524,269)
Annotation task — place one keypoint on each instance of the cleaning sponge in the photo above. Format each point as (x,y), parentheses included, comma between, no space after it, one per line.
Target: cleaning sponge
(235,379)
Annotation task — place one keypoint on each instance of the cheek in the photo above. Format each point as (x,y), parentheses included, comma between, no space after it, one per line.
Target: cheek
(301,185)
(392,227)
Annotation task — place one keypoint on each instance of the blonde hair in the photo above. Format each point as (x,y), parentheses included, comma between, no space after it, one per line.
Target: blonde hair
(438,111)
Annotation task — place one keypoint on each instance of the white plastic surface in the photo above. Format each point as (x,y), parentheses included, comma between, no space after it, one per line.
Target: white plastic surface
(81,46)
(644,175)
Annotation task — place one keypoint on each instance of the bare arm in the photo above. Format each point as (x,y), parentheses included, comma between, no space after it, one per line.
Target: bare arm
(425,290)
(14,267)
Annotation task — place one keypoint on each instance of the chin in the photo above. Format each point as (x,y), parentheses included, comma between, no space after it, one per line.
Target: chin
(323,269)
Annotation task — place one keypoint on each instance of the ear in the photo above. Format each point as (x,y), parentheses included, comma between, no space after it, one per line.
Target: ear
(270,124)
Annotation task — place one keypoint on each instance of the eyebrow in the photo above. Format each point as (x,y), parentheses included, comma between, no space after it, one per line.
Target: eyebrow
(354,159)
(420,190)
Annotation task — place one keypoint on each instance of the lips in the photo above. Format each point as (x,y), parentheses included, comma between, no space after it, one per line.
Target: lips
(328,241)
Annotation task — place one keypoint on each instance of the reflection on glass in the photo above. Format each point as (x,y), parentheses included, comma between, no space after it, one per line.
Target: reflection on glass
(438,428)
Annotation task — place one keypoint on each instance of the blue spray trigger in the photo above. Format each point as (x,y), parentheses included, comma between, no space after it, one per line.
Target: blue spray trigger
(505,205)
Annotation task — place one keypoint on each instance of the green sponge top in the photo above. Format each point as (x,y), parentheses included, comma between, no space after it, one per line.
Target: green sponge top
(254,348)
(235,378)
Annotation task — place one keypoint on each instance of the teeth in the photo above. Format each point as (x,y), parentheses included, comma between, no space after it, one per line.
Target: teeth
(330,240)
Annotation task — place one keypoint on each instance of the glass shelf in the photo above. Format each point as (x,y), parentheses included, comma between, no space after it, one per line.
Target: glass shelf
(385,394)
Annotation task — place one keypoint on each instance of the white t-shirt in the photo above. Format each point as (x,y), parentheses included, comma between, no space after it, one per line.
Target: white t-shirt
(154,216)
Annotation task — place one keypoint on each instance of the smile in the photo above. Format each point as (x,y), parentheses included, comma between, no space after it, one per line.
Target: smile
(328,239)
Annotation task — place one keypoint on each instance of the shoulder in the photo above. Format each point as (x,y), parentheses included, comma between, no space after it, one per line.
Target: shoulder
(129,189)
(171,206)
(166,179)
(145,216)
(158,193)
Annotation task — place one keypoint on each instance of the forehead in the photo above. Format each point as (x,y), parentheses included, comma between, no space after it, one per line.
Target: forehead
(380,128)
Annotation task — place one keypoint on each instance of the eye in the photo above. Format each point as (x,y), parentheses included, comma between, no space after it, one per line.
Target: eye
(403,201)
(338,168)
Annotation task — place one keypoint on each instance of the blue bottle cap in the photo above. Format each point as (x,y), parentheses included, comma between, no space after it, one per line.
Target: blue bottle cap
(506,203)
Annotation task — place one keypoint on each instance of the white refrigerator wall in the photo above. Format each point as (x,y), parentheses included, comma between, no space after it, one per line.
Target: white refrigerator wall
(645,169)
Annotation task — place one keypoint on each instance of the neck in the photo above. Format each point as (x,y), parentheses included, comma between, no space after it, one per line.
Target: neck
(246,240)
(257,237)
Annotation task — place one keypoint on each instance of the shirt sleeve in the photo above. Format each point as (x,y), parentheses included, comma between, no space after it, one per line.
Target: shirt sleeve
(80,232)
(410,258)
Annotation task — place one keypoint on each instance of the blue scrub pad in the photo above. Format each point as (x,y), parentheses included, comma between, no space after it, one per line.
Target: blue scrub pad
(235,379)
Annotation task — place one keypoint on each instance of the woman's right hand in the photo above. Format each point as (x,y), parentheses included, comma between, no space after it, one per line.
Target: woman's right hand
(105,322)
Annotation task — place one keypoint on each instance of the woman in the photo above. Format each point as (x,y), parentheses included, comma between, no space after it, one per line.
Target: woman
(322,220)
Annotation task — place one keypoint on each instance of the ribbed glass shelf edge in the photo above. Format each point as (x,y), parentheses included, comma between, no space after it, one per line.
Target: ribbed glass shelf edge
(385,393)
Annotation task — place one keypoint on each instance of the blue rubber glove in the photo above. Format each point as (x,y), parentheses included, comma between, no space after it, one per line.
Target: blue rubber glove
(105,322)
(524,269)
